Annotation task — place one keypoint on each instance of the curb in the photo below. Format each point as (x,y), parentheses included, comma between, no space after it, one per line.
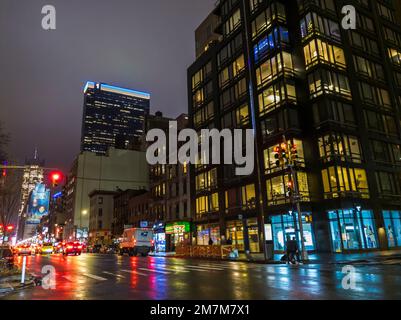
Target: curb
(13,283)
(233,260)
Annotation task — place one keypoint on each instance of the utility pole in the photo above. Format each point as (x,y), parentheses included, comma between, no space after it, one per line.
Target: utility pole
(286,156)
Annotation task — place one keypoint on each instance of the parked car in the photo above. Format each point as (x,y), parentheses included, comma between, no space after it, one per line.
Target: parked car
(137,241)
(6,257)
(72,248)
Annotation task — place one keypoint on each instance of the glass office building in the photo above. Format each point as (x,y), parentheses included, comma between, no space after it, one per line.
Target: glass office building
(112,117)
(289,68)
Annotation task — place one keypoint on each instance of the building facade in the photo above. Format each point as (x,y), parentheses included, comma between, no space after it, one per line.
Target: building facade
(32,174)
(122,210)
(178,218)
(205,35)
(169,187)
(101,217)
(112,117)
(289,68)
(117,170)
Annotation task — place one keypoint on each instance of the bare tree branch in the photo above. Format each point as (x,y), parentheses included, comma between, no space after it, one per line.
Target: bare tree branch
(10,196)
(4,140)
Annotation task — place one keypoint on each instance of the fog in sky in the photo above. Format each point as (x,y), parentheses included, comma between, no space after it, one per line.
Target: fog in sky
(145,45)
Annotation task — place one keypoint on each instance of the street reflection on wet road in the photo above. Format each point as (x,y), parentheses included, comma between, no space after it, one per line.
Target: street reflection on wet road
(93,276)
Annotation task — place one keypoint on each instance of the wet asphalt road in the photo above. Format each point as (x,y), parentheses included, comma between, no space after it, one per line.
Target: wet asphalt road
(94,276)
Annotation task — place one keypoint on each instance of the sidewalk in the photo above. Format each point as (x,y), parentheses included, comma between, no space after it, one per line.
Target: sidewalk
(316,258)
(338,258)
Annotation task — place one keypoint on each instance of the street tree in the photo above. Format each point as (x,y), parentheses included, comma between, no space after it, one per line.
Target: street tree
(4,139)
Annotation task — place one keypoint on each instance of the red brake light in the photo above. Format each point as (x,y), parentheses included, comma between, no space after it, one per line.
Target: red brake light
(79,247)
(69,247)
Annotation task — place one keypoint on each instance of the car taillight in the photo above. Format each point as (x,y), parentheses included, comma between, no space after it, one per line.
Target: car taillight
(79,247)
(152,242)
(69,247)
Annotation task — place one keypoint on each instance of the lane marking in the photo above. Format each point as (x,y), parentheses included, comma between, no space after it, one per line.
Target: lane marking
(94,277)
(113,274)
(135,272)
(154,270)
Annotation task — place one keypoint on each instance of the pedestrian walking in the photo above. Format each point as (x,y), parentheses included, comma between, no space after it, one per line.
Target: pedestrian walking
(292,251)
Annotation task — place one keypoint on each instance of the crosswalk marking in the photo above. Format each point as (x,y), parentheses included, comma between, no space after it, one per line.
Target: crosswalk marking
(174,268)
(135,272)
(197,269)
(113,274)
(392,261)
(68,278)
(94,277)
(154,270)
(206,268)
(218,266)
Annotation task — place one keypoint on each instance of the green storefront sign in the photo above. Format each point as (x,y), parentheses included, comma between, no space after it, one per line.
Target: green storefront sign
(178,227)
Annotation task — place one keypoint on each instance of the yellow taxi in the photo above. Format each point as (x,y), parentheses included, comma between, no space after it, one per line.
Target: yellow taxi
(47,248)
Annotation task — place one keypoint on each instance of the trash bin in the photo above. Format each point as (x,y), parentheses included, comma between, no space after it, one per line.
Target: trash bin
(269,247)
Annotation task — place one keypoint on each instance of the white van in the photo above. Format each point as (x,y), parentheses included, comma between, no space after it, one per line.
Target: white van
(137,240)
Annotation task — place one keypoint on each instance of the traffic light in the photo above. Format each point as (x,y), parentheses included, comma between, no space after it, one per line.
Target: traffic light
(294,153)
(290,188)
(277,155)
(55,178)
(283,147)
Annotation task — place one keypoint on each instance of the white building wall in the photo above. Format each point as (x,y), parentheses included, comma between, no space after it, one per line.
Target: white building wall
(124,169)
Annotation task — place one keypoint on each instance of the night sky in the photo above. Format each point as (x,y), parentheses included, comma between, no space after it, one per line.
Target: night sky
(145,45)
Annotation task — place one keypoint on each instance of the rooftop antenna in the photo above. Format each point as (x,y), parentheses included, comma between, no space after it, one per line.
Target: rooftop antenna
(35,156)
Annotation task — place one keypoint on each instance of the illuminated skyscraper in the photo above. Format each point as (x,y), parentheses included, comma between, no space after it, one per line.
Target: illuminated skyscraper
(112,117)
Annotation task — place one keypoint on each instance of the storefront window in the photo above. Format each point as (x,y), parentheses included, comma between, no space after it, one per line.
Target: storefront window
(160,242)
(235,233)
(352,229)
(392,223)
(205,232)
(286,226)
(253,235)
